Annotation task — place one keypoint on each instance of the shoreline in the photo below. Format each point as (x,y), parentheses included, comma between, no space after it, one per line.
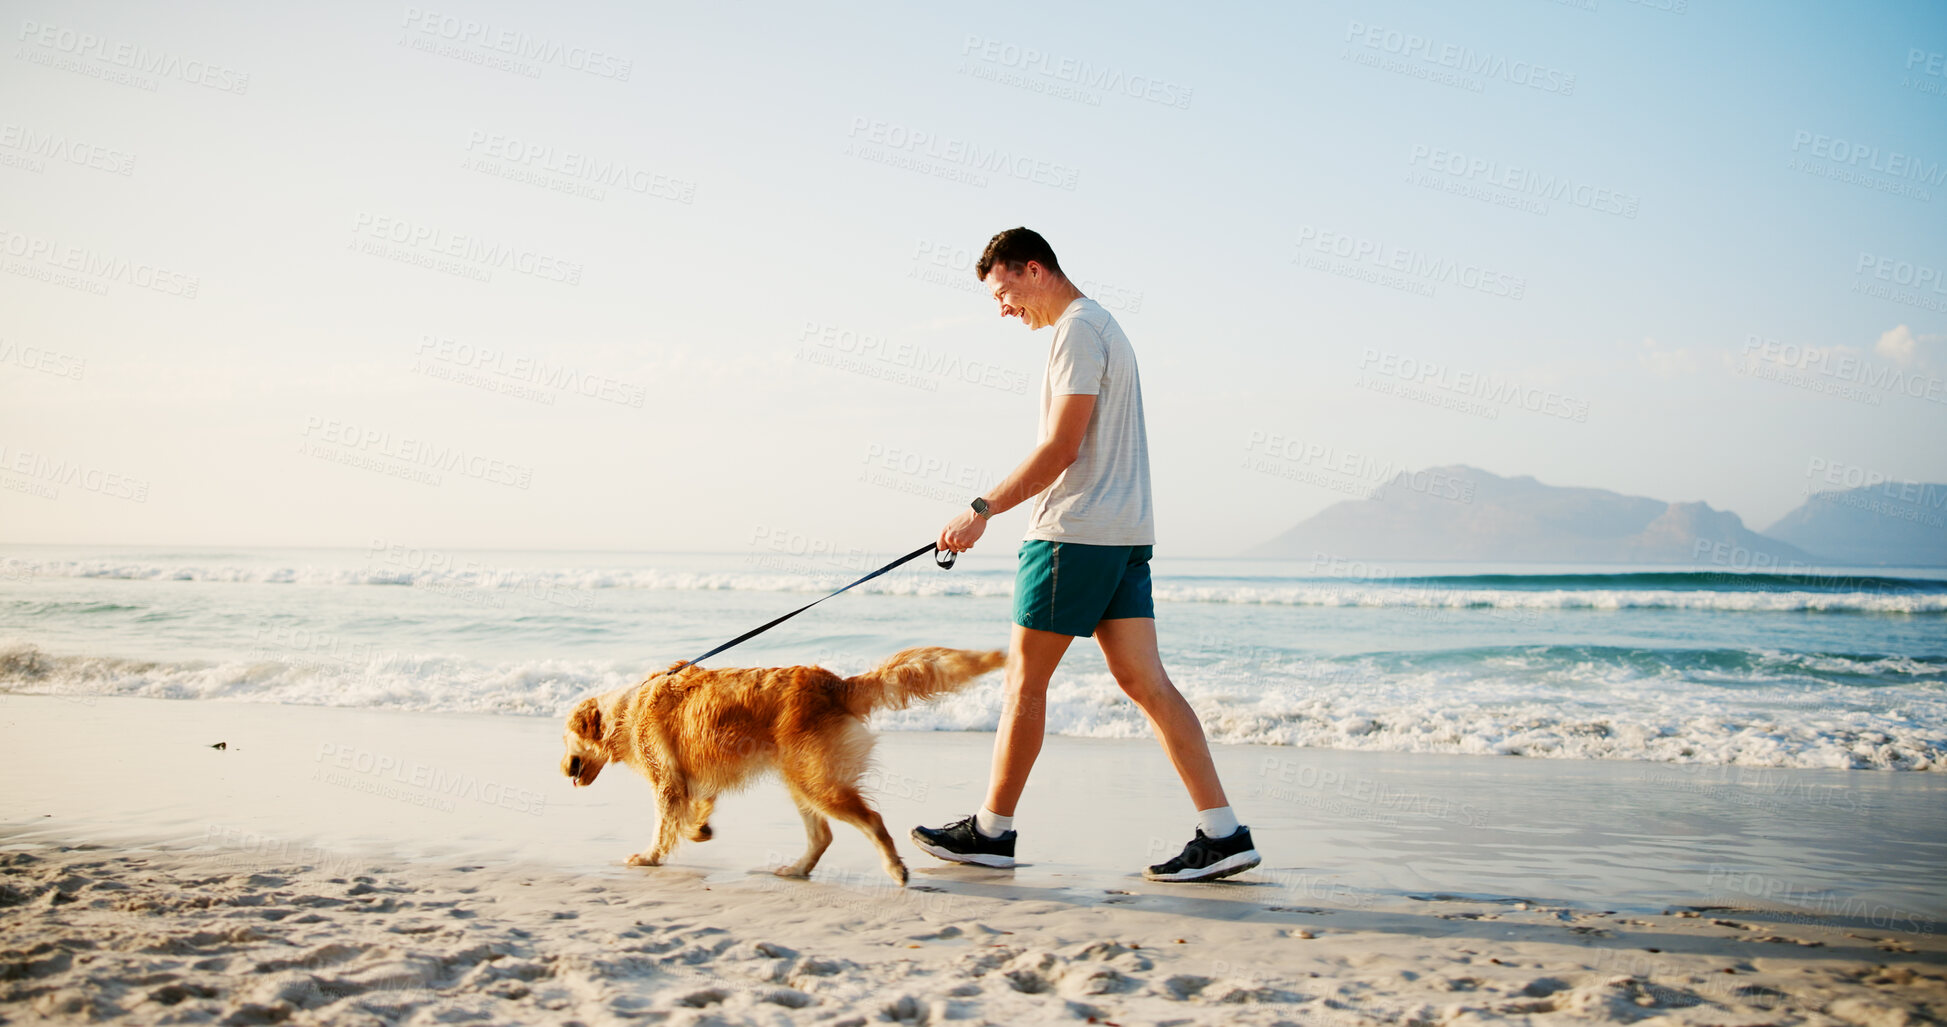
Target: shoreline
(333,865)
(405,786)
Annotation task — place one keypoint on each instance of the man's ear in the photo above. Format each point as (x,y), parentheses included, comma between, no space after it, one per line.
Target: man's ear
(586,721)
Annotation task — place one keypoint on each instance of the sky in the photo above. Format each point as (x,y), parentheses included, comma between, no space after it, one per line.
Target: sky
(698,277)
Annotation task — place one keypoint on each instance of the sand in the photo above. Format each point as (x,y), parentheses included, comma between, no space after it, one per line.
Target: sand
(148,878)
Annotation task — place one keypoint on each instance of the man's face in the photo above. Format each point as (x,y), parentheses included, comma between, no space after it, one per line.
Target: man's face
(1020,293)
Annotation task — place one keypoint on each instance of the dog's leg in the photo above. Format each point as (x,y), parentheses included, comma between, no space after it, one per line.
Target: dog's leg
(818,837)
(845,803)
(670,806)
(699,822)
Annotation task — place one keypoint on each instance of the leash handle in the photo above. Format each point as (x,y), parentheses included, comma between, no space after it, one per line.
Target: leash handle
(943,557)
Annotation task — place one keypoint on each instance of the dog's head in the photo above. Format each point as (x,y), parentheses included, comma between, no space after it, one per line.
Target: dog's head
(586,754)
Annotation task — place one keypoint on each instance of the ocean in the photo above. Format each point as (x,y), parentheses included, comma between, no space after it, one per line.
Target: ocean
(1842,669)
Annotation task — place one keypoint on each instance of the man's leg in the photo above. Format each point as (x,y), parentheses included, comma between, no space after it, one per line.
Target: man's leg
(1031,660)
(1129,646)
(1222,846)
(987,838)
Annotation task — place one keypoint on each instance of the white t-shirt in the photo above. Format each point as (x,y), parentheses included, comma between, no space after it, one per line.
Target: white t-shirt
(1102,499)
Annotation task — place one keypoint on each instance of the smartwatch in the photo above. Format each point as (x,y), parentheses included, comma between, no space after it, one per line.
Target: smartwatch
(980,507)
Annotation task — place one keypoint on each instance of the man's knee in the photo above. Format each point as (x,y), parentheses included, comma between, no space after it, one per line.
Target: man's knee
(1145,685)
(1141,690)
(1025,690)
(1023,708)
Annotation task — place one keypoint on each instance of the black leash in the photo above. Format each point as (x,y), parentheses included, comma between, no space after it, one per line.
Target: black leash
(945,560)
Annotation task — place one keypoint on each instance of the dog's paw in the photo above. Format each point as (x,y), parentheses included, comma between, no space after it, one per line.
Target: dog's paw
(701,833)
(898,872)
(641,859)
(792,870)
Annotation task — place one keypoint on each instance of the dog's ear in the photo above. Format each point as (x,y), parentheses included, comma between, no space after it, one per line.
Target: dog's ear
(586,721)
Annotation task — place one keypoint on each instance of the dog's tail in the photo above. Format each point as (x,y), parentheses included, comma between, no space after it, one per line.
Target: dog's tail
(917,674)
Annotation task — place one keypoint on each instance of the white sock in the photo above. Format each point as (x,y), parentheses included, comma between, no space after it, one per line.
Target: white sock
(993,825)
(1217,823)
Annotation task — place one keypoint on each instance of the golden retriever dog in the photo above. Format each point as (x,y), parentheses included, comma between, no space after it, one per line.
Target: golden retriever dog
(696,733)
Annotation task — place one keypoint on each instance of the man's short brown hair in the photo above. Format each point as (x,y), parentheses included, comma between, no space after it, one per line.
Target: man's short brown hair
(1014,248)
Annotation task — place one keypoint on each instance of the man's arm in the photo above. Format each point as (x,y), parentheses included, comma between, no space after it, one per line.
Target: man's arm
(1070,415)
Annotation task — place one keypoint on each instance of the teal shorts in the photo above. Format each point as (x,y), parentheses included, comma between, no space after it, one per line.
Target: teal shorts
(1067,587)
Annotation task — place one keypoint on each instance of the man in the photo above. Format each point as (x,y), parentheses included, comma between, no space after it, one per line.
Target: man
(1083,567)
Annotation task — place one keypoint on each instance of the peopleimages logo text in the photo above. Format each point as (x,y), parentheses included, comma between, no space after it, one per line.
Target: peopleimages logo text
(1412,264)
(912,357)
(950,150)
(90,263)
(580,167)
(1872,158)
(1487,387)
(416,452)
(471,248)
(1034,61)
(1841,364)
(1463,59)
(517,44)
(133,57)
(58,147)
(1526,181)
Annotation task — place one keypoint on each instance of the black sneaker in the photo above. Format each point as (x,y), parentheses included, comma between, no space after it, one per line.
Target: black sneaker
(962,842)
(1207,858)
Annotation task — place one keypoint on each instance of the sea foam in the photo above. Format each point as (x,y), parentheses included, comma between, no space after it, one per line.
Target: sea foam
(1772,710)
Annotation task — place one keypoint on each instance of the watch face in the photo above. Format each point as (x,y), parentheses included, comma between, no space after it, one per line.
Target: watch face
(980,506)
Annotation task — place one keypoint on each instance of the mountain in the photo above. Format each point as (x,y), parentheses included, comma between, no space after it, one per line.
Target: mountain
(1465,513)
(1898,524)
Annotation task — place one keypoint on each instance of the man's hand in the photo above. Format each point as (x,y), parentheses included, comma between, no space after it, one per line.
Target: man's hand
(962,531)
